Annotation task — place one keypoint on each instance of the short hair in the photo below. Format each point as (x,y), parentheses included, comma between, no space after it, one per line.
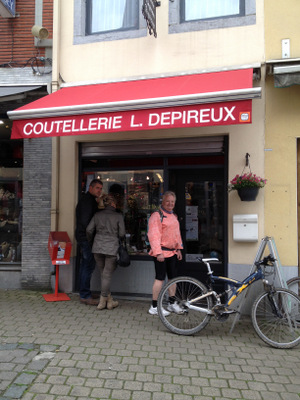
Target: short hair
(169,193)
(95,182)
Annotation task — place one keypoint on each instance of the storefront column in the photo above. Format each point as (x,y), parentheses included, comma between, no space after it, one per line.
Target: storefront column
(36,213)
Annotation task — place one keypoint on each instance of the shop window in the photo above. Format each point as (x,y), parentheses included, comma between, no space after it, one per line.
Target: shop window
(11,183)
(190,15)
(103,20)
(139,194)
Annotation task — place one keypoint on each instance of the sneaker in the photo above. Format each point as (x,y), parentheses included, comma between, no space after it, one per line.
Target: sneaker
(175,307)
(153,311)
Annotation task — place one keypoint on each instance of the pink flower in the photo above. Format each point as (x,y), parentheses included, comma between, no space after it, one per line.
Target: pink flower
(246,180)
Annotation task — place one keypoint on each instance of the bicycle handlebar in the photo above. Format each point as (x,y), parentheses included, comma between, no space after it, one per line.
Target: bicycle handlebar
(266,261)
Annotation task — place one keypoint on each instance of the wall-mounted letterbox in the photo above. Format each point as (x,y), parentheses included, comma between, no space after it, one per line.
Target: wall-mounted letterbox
(245,228)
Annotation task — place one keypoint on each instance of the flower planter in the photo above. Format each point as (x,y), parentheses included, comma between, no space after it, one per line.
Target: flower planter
(248,194)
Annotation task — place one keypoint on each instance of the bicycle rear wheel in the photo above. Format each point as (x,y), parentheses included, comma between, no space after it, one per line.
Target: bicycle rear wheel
(187,321)
(276,317)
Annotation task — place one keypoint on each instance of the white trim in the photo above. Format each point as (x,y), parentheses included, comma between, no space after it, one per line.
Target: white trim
(137,104)
(166,75)
(283,61)
(286,69)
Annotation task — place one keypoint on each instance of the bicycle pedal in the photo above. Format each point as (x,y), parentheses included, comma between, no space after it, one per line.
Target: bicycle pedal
(228,312)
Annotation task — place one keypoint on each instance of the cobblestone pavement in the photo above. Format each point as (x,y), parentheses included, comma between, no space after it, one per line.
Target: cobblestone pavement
(67,350)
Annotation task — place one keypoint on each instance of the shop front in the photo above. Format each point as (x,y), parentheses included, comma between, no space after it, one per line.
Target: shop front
(194,168)
(142,138)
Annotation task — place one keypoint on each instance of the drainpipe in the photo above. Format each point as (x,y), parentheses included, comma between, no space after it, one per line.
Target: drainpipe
(55,140)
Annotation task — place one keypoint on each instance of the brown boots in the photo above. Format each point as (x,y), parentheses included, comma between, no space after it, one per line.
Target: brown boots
(107,302)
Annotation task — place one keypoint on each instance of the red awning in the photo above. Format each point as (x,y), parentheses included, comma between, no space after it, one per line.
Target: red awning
(218,98)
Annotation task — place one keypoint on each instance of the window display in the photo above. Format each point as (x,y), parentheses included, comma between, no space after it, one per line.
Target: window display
(139,195)
(10,214)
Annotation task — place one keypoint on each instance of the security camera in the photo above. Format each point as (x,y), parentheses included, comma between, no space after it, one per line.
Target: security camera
(39,32)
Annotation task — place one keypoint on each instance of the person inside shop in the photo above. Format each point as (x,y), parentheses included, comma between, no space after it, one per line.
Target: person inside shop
(107,227)
(166,244)
(118,191)
(85,210)
(135,223)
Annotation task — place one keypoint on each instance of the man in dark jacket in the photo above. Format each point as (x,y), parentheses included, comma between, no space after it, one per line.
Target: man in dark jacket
(85,209)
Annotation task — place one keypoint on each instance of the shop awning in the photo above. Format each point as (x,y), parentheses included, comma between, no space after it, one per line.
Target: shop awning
(218,98)
(11,93)
(286,71)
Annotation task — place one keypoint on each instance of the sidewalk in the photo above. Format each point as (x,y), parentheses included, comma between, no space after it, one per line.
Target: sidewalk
(67,350)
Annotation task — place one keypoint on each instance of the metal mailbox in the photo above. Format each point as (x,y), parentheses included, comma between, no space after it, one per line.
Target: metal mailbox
(59,247)
(245,228)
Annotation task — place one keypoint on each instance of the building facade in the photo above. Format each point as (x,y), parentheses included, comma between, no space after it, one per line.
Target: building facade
(25,173)
(282,129)
(180,108)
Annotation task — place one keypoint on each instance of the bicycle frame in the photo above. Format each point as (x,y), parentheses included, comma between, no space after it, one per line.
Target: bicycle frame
(237,287)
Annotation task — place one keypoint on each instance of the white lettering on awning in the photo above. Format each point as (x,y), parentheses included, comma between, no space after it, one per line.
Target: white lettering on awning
(146,119)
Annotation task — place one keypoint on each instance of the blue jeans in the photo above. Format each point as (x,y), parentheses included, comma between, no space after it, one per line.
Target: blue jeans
(87,266)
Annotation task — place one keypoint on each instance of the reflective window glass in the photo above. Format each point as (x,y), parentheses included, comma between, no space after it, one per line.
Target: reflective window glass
(204,9)
(139,193)
(111,15)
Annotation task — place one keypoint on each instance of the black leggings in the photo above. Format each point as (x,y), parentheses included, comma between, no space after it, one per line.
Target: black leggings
(167,268)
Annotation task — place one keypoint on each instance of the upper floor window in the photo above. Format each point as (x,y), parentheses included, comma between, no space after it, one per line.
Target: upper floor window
(199,15)
(111,15)
(105,20)
(192,10)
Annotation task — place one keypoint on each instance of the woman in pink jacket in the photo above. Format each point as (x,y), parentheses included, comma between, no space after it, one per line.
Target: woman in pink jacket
(166,244)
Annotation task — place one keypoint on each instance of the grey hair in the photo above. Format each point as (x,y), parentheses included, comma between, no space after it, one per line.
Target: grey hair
(169,193)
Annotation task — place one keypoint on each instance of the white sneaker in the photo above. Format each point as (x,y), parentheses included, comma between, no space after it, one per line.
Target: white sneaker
(175,307)
(153,311)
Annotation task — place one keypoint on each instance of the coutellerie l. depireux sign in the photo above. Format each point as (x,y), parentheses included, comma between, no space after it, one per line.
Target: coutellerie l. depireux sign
(184,101)
(226,113)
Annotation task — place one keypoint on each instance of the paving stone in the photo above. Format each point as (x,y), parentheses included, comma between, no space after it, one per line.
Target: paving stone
(37,365)
(128,355)
(25,379)
(100,393)
(15,391)
(141,396)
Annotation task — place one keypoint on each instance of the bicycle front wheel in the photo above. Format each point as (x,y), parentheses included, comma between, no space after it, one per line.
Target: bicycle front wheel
(275,318)
(294,285)
(184,320)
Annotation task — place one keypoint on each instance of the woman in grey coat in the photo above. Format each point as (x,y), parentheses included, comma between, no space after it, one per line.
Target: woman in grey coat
(109,227)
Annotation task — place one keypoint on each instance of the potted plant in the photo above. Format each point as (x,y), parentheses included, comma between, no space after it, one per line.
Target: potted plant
(247,185)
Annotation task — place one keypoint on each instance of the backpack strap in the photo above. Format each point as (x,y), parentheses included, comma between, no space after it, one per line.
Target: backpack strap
(161,214)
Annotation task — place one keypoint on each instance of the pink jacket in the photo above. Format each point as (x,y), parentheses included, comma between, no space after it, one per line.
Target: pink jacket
(164,234)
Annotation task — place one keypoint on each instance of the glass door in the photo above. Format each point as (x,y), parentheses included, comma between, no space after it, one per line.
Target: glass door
(201,208)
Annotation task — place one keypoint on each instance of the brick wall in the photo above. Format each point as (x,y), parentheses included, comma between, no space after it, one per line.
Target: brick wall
(17,43)
(36,264)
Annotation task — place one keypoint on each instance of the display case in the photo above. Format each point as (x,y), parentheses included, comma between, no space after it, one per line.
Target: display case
(10,219)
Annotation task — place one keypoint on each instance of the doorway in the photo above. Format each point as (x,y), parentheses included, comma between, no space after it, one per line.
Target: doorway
(200,207)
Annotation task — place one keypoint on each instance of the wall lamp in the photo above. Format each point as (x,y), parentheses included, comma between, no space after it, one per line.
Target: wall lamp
(39,32)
